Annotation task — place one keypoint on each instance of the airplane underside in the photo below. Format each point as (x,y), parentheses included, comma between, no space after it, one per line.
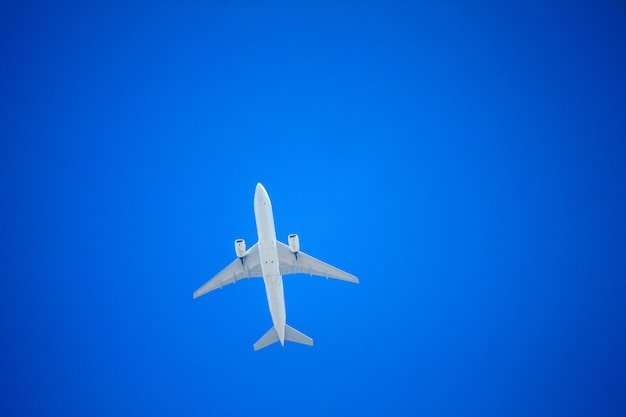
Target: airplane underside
(271,259)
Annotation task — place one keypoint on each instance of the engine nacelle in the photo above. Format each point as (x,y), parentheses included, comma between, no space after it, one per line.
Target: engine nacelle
(294,243)
(240,248)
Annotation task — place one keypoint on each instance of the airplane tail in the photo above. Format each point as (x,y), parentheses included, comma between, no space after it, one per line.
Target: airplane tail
(291,334)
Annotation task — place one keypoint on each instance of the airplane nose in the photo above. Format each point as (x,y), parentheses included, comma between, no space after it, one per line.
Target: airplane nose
(259,192)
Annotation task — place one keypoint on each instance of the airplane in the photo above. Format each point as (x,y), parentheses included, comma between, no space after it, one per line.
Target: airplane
(271,259)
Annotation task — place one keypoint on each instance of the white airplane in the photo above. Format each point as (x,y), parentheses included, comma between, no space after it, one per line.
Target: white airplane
(271,259)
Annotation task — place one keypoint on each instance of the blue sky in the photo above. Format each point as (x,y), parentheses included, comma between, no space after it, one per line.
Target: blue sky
(466,161)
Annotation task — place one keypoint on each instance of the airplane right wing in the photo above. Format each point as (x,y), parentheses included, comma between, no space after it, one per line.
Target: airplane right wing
(301,263)
(247,267)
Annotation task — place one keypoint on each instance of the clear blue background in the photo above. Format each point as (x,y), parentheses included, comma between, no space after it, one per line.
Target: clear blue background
(465,160)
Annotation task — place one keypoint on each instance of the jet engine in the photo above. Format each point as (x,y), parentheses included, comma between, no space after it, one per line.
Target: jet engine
(240,248)
(294,243)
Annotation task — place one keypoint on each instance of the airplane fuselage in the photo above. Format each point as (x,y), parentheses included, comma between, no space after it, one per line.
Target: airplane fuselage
(268,254)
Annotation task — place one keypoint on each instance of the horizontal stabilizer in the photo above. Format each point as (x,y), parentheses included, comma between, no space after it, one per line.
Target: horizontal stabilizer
(293,335)
(271,336)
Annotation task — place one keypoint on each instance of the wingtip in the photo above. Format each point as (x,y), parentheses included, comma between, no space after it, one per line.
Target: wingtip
(354,279)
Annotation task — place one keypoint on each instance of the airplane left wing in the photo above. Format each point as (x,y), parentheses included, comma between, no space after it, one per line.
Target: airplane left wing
(247,267)
(290,263)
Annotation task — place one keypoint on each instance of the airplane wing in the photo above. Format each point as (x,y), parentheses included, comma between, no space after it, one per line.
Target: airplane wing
(247,267)
(290,263)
